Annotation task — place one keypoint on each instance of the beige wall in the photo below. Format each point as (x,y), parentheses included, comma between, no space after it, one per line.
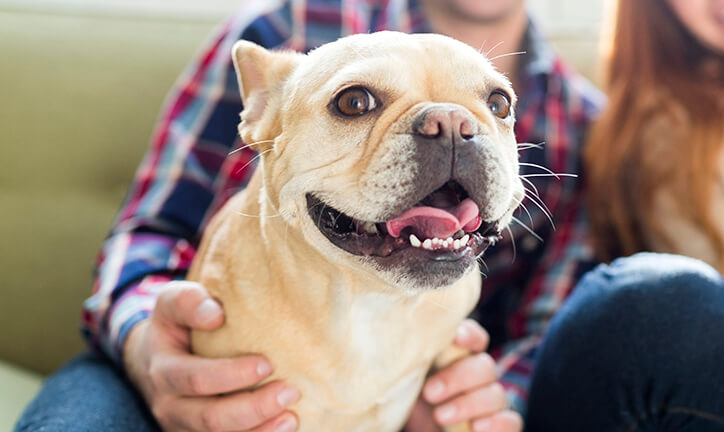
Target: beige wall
(574,27)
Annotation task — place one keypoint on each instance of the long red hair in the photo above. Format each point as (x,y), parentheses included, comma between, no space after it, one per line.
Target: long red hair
(655,71)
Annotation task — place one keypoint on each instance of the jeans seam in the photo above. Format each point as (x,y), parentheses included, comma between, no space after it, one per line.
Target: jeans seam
(677,410)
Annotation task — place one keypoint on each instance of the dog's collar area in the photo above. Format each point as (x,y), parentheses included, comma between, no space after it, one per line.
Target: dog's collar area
(444,224)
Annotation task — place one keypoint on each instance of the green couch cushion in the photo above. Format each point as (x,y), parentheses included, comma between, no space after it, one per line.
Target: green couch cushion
(80,98)
(18,388)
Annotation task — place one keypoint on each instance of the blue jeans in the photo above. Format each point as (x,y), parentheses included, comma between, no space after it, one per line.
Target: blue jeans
(639,346)
(87,395)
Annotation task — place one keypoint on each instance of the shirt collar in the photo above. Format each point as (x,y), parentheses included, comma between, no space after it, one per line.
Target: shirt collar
(539,58)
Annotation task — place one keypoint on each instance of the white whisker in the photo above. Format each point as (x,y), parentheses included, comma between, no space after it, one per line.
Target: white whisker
(249,145)
(480,50)
(487,54)
(480,259)
(532,193)
(530,231)
(512,242)
(253,159)
(526,146)
(541,167)
(544,209)
(556,175)
(507,55)
(536,193)
(528,212)
(536,198)
(257,216)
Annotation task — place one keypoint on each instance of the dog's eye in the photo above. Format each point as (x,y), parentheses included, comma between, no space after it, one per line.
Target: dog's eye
(499,104)
(354,101)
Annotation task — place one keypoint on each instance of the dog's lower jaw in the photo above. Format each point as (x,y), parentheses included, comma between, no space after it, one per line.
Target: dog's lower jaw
(346,345)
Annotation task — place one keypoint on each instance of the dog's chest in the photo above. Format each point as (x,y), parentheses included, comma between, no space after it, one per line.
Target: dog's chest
(385,352)
(368,409)
(368,328)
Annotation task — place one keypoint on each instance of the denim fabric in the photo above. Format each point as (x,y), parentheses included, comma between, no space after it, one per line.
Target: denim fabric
(639,346)
(87,395)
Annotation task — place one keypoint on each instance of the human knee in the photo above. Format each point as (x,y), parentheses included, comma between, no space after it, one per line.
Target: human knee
(639,329)
(648,280)
(641,292)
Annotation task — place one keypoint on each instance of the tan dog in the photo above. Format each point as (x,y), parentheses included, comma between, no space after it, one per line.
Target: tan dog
(388,165)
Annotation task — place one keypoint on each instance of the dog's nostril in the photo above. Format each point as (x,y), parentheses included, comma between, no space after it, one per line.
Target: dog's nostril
(433,129)
(429,126)
(439,123)
(466,130)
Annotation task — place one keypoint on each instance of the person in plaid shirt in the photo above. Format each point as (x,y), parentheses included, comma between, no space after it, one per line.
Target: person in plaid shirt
(141,310)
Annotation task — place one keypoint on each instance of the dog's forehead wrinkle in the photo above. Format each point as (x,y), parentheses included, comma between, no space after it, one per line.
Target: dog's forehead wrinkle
(354,59)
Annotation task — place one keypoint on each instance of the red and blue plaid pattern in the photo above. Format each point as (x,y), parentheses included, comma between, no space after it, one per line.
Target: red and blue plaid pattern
(190,171)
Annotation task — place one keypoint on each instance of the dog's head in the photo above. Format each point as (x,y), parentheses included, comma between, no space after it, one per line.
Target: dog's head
(390,152)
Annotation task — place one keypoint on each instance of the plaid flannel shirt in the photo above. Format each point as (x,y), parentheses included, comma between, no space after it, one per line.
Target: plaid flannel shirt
(189,172)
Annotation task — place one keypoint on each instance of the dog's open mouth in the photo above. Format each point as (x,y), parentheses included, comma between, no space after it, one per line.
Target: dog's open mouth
(445,225)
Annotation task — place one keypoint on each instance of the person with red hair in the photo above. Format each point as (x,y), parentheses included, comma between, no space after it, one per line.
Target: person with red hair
(655,158)
(638,345)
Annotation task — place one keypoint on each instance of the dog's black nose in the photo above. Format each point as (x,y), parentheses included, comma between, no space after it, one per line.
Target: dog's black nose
(449,123)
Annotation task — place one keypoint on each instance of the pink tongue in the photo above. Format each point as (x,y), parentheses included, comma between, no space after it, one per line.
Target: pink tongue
(431,222)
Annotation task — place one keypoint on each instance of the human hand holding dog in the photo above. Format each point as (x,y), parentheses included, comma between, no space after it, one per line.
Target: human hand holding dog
(190,393)
(467,390)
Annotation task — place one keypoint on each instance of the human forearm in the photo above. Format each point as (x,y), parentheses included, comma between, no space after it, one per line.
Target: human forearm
(131,268)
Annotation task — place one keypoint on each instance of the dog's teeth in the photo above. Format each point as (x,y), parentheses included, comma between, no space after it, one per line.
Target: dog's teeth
(465,239)
(414,241)
(369,227)
(456,244)
(436,241)
(459,234)
(427,244)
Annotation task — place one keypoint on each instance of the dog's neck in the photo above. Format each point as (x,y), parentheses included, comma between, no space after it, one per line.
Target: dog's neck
(327,291)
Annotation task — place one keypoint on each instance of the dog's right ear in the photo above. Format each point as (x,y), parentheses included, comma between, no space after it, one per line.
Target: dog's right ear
(261,74)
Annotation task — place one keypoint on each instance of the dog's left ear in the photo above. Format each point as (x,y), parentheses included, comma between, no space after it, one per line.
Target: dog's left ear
(261,74)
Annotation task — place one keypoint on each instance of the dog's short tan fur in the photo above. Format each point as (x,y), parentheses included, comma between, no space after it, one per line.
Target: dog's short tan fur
(356,339)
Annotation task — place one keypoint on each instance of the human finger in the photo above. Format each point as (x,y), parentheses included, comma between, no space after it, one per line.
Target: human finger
(465,374)
(235,412)
(286,422)
(472,336)
(506,421)
(190,375)
(188,304)
(481,402)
